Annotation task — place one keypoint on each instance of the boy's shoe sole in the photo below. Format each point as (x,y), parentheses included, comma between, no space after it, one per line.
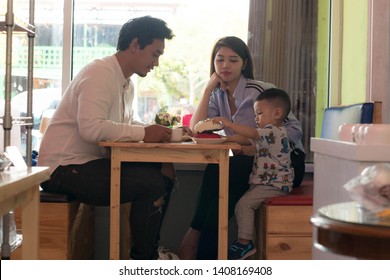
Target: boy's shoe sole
(248,254)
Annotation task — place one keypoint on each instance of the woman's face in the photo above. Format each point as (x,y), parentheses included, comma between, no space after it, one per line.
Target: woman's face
(228,65)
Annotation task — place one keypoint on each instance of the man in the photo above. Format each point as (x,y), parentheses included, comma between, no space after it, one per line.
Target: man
(97,106)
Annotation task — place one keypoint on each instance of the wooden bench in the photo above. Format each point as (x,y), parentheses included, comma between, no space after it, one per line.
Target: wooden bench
(284,231)
(66,228)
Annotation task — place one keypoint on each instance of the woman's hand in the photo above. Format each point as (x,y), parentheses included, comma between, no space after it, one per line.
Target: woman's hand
(214,82)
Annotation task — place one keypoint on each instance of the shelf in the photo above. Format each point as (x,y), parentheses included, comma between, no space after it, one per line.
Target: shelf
(19,26)
(350,151)
(9,25)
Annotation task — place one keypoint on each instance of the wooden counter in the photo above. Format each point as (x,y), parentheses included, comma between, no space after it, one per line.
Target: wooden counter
(21,189)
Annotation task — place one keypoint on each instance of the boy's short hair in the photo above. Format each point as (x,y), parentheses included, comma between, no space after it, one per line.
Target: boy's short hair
(278,97)
(146,29)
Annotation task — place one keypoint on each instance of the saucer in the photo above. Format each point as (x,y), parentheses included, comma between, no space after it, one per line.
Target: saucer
(209,140)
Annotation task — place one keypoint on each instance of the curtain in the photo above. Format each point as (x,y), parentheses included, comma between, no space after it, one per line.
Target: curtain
(282,38)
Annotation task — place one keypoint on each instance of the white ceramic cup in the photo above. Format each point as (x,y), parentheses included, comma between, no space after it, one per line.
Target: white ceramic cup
(357,133)
(377,134)
(361,133)
(177,134)
(345,132)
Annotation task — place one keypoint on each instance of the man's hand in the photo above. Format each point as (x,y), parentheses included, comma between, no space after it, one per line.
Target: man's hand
(157,133)
(187,131)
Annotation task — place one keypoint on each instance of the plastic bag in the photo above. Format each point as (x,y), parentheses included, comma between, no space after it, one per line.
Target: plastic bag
(371,188)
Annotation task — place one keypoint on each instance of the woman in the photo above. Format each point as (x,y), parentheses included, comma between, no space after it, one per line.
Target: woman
(230,93)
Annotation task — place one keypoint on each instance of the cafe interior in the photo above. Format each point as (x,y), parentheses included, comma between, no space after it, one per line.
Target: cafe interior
(330,56)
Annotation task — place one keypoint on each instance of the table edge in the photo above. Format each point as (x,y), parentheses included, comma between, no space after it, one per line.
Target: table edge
(183,145)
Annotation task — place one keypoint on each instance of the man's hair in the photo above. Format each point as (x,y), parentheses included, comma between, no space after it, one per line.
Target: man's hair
(278,98)
(146,29)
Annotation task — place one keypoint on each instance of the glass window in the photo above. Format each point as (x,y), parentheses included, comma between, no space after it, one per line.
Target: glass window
(184,68)
(47,68)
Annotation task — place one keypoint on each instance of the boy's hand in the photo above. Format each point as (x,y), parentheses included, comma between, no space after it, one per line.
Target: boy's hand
(225,122)
(248,150)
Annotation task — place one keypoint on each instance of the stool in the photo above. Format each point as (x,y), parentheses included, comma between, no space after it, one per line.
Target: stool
(66,228)
(283,224)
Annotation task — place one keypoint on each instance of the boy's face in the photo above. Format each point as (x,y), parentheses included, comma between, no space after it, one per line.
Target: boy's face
(147,58)
(265,113)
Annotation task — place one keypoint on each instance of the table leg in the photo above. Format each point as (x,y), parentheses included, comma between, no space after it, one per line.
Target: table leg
(30,222)
(115,204)
(223,204)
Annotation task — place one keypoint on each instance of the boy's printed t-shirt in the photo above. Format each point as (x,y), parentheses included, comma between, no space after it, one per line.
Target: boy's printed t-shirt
(272,163)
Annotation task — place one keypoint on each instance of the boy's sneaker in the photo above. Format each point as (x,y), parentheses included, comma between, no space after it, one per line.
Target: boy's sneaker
(238,251)
(164,254)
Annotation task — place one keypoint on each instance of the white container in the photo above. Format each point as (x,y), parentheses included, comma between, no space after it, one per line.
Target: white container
(377,134)
(345,132)
(358,133)
(177,134)
(335,163)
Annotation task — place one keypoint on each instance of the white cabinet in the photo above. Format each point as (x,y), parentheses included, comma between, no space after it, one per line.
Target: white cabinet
(335,163)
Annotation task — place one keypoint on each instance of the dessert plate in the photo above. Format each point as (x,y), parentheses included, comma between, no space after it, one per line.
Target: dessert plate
(209,140)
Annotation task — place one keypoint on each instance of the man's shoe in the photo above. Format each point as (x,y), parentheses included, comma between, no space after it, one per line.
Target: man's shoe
(164,254)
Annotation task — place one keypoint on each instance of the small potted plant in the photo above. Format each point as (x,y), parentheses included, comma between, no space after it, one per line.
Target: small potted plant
(166,119)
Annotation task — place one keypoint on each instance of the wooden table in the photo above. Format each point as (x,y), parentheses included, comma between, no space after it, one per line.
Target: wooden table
(21,189)
(186,152)
(349,229)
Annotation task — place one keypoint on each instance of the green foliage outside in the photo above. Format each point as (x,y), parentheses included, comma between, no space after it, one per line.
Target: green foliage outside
(185,66)
(183,69)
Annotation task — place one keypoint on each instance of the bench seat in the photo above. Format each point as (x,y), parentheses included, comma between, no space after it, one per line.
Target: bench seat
(283,224)
(55,197)
(66,228)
